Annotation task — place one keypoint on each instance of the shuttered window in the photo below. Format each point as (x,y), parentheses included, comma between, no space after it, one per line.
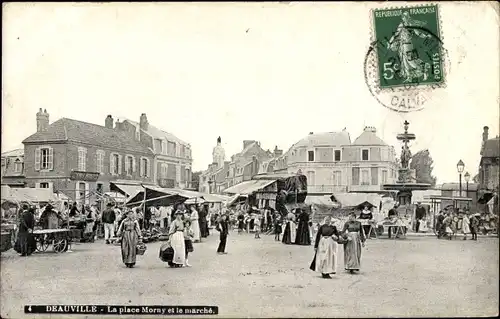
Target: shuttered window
(355,176)
(82,159)
(100,161)
(44,158)
(374,175)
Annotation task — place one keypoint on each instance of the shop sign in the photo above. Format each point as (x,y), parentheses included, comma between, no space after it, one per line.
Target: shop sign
(84,176)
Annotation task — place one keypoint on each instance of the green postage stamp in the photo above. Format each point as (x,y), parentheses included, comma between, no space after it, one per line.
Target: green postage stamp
(406,59)
(408,46)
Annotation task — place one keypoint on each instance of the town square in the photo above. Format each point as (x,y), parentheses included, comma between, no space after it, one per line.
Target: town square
(250,160)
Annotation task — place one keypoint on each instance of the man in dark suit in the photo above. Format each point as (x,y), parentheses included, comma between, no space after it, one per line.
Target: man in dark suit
(420,213)
(223,229)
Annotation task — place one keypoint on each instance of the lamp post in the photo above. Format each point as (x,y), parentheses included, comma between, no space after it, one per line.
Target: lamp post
(467,179)
(460,169)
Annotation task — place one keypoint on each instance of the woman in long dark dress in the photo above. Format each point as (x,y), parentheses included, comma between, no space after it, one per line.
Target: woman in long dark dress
(355,236)
(289,233)
(303,235)
(130,233)
(326,247)
(241,223)
(25,243)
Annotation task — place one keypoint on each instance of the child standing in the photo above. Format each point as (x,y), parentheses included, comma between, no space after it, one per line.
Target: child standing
(256,225)
(474,225)
(277,227)
(188,240)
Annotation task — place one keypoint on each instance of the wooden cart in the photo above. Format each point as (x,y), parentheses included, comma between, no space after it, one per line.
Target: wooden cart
(59,239)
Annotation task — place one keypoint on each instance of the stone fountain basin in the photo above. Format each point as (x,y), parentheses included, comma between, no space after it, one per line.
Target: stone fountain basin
(407,186)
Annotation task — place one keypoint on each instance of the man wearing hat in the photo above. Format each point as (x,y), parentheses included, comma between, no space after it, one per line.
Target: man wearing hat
(420,213)
(474,225)
(108,219)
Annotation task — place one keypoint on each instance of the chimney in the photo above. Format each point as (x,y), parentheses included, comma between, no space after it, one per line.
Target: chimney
(255,165)
(277,152)
(219,140)
(485,133)
(485,138)
(311,133)
(144,125)
(108,123)
(42,120)
(370,129)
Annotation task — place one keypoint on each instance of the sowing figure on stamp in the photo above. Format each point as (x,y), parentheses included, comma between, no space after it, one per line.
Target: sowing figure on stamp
(402,43)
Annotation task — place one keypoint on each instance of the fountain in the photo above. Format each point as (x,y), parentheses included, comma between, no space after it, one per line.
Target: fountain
(407,181)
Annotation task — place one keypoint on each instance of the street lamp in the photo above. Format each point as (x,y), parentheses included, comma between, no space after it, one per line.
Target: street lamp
(460,169)
(467,179)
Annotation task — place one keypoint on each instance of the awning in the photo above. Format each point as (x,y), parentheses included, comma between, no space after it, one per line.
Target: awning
(157,196)
(485,197)
(321,201)
(352,200)
(127,189)
(31,195)
(248,187)
(236,199)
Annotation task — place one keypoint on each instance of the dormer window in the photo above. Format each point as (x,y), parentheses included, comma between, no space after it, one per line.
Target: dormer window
(18,166)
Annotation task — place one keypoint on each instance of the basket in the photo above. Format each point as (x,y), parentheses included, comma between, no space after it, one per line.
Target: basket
(140,248)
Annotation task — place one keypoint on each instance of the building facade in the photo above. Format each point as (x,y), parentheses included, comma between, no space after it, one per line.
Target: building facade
(80,159)
(332,163)
(489,173)
(222,174)
(13,168)
(173,160)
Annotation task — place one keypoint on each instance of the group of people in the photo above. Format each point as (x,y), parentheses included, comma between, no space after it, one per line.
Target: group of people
(328,238)
(183,231)
(451,223)
(255,220)
(185,227)
(297,228)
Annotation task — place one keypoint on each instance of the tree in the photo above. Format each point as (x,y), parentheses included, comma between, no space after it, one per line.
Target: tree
(195,180)
(422,162)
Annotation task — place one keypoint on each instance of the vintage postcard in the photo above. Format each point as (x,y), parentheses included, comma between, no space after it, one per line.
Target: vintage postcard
(250,159)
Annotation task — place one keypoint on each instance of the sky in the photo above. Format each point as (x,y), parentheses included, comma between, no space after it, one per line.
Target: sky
(250,71)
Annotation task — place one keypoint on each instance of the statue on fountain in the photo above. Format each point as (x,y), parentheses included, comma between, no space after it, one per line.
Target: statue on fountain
(405,156)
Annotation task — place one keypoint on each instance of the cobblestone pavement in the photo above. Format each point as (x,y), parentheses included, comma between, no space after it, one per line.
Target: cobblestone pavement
(418,276)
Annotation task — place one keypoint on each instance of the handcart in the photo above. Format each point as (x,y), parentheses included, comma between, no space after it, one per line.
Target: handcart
(59,239)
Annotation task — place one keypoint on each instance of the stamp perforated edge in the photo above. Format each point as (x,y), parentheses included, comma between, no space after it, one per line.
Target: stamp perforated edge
(373,61)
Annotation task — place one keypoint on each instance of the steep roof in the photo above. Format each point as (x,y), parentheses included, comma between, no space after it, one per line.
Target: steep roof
(82,132)
(325,139)
(491,148)
(369,137)
(158,133)
(14,153)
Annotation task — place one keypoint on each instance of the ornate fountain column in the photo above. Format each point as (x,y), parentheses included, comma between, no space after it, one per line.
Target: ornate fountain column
(407,181)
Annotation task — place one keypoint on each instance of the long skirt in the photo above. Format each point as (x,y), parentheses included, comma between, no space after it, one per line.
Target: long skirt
(129,244)
(465,228)
(178,244)
(25,243)
(325,259)
(203,229)
(303,236)
(352,252)
(195,226)
(289,233)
